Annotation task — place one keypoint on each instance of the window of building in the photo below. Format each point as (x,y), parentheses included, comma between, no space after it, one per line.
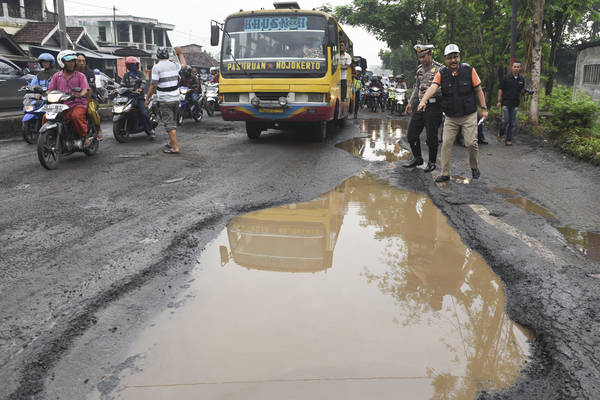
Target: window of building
(102,33)
(591,74)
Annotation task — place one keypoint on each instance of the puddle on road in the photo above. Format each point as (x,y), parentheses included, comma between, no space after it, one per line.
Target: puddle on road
(531,206)
(380,142)
(364,292)
(509,192)
(587,243)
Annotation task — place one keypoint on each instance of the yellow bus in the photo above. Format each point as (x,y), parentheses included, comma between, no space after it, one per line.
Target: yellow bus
(280,68)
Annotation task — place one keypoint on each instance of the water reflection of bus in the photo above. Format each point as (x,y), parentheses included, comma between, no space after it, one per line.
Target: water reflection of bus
(298,237)
(281,67)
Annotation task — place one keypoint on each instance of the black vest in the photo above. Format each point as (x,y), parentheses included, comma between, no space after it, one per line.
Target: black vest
(458,93)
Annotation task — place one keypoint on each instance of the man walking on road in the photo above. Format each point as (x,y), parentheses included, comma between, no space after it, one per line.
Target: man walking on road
(509,94)
(429,118)
(165,78)
(460,84)
(345,63)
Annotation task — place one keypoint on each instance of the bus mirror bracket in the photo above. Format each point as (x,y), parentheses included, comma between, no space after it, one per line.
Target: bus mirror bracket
(332,33)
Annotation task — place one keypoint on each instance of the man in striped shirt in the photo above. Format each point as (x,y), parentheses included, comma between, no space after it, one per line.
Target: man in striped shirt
(165,78)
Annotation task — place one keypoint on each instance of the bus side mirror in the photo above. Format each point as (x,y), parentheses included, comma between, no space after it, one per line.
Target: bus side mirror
(214,35)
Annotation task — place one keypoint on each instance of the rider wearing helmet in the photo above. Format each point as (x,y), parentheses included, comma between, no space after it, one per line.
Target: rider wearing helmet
(214,73)
(135,79)
(191,80)
(65,81)
(43,77)
(401,81)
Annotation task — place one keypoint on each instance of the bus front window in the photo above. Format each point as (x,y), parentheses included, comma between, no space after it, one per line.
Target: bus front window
(275,45)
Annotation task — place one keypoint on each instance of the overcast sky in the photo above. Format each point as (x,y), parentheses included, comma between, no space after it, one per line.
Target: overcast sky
(192,23)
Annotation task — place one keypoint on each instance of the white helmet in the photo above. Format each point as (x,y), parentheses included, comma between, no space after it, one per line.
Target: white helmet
(358,68)
(451,48)
(65,55)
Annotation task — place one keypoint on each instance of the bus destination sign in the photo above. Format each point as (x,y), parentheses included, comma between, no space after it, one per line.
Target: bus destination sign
(275,24)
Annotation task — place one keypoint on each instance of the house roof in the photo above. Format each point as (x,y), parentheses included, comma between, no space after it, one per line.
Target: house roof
(74,32)
(588,45)
(194,56)
(34,32)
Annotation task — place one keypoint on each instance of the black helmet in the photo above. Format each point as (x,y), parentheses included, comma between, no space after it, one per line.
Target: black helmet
(162,53)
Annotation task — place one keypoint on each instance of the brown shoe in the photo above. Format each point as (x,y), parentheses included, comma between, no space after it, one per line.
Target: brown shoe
(508,143)
(500,138)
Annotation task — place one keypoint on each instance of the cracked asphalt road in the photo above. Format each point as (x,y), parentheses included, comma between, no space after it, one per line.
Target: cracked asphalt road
(102,244)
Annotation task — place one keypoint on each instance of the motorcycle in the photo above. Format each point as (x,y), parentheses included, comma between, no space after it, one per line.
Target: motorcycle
(391,100)
(57,138)
(374,99)
(126,120)
(32,107)
(187,107)
(401,100)
(212,98)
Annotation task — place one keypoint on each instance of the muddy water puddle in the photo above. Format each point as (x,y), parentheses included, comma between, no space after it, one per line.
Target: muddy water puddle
(379,141)
(587,243)
(364,292)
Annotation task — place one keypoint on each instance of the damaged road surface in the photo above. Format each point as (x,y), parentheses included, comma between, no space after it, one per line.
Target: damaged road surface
(282,268)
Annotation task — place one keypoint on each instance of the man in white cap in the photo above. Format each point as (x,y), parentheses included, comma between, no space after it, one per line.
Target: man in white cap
(460,85)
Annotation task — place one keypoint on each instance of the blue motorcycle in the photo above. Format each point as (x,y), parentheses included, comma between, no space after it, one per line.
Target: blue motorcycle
(187,106)
(33,101)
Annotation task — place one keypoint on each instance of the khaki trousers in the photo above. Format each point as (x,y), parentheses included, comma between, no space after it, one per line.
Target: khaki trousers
(468,123)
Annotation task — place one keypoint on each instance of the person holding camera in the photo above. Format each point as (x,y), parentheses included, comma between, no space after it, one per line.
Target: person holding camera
(510,90)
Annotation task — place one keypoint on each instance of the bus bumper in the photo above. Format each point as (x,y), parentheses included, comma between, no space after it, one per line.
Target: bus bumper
(310,112)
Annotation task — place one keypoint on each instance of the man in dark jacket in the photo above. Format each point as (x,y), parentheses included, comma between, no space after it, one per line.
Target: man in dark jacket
(460,86)
(510,90)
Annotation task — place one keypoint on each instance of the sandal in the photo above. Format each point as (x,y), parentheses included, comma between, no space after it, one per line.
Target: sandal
(170,151)
(167,146)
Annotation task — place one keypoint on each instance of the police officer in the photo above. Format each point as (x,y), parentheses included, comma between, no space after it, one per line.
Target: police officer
(431,117)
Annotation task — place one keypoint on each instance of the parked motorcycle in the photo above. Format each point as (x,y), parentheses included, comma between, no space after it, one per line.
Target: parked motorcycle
(32,107)
(212,98)
(126,120)
(57,138)
(187,107)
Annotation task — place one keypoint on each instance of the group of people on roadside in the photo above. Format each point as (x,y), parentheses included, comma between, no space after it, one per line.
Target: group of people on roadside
(453,90)
(166,77)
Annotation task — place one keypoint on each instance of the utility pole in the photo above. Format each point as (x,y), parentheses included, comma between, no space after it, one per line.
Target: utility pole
(513,32)
(115,25)
(62,24)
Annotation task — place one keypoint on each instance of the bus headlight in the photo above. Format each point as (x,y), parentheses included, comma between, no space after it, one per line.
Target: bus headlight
(255,101)
(283,101)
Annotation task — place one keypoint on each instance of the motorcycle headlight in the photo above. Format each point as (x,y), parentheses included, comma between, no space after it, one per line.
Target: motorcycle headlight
(29,108)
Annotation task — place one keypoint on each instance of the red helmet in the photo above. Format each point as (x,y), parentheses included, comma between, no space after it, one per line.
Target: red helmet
(131,60)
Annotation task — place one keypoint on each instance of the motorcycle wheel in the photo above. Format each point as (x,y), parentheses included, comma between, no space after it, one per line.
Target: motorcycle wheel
(197,114)
(49,150)
(179,117)
(120,130)
(30,131)
(210,108)
(153,119)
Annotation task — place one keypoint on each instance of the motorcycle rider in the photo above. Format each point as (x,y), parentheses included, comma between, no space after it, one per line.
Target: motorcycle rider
(357,86)
(135,79)
(401,82)
(92,104)
(43,77)
(65,81)
(431,118)
(214,75)
(190,80)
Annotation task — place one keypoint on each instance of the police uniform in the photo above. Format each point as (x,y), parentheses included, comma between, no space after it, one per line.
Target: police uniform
(430,119)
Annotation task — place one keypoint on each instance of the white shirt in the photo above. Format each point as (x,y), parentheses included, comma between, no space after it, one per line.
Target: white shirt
(345,60)
(165,74)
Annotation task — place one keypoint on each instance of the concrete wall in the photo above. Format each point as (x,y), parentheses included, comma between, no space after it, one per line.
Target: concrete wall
(588,56)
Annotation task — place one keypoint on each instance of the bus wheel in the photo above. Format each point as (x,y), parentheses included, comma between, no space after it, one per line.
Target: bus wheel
(253,130)
(321,131)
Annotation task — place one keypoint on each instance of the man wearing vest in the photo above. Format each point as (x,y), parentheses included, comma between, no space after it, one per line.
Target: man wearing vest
(460,85)
(429,119)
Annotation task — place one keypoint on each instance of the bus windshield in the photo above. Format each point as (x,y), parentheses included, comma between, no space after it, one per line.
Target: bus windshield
(274,44)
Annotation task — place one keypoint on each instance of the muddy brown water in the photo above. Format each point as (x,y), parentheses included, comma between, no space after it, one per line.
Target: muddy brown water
(380,141)
(364,292)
